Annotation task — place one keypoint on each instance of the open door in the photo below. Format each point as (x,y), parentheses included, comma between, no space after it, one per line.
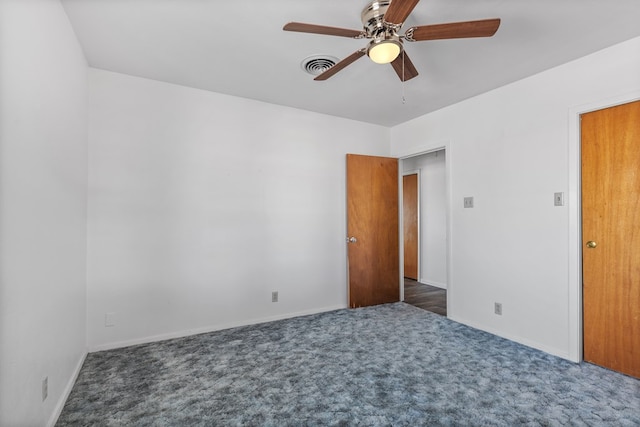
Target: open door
(372,227)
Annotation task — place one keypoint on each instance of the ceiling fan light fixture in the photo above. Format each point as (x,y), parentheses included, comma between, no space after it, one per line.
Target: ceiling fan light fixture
(384,51)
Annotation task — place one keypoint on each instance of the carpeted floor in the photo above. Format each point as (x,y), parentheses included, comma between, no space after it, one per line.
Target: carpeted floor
(389,365)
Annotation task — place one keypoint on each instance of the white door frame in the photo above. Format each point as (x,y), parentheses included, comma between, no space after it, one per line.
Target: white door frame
(447,166)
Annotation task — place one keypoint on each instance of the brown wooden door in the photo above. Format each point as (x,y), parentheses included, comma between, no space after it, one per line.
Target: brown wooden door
(611,223)
(410,224)
(372,220)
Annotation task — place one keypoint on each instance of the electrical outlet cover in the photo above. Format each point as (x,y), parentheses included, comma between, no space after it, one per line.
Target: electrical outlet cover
(109,320)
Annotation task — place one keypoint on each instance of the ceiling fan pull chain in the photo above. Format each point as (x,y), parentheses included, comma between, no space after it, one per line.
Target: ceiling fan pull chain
(404,101)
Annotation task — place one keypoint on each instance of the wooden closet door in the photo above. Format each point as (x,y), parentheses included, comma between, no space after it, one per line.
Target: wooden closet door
(611,237)
(410,225)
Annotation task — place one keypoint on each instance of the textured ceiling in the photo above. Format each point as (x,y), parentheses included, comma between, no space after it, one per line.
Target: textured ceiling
(239,48)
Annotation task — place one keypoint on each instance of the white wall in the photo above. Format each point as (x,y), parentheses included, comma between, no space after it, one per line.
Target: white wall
(433,216)
(201,205)
(43,175)
(510,150)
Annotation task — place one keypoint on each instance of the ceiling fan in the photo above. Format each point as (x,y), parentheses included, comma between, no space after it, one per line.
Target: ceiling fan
(382,19)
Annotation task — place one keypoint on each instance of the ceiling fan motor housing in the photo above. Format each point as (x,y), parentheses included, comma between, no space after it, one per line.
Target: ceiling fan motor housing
(373,19)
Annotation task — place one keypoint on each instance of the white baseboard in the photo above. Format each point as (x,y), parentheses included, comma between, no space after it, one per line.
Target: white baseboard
(519,340)
(432,283)
(206,329)
(67,391)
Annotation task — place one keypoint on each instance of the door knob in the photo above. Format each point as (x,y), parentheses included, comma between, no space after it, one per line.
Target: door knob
(351,240)
(591,244)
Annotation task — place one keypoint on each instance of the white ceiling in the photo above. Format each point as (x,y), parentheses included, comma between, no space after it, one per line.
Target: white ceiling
(238,48)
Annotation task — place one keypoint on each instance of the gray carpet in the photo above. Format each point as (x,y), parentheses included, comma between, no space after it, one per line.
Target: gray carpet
(390,365)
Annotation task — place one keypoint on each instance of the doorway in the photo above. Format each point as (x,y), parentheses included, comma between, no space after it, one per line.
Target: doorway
(610,154)
(426,286)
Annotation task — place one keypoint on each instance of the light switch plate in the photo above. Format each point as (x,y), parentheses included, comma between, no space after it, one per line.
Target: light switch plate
(558,199)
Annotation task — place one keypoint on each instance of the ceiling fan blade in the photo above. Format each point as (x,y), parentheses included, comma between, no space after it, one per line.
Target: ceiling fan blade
(399,10)
(408,69)
(454,30)
(342,64)
(321,29)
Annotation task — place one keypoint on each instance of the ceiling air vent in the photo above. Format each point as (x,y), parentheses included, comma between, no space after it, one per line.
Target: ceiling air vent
(318,64)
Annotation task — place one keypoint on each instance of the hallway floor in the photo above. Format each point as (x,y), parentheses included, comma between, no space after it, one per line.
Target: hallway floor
(427,297)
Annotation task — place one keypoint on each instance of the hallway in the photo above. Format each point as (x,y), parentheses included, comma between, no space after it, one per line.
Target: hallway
(427,297)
